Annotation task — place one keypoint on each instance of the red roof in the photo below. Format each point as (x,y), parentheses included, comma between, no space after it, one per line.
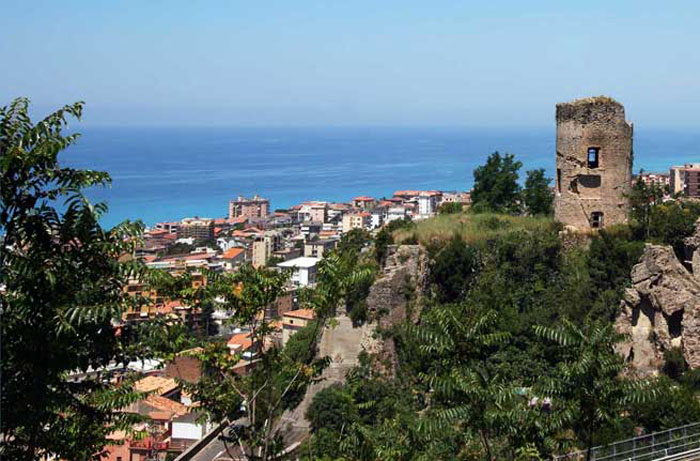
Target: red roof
(307,314)
(232,253)
(363,198)
(240,342)
(238,220)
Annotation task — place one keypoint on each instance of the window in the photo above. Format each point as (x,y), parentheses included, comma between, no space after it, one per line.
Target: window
(597,219)
(559,180)
(593,157)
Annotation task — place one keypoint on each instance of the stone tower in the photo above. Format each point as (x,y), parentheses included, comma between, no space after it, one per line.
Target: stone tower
(594,163)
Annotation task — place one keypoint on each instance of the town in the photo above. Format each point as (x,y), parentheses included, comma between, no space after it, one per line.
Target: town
(296,240)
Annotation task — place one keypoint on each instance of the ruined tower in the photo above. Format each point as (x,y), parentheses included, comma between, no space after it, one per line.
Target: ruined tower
(594,163)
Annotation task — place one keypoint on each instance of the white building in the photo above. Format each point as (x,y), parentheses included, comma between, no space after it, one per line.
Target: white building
(427,203)
(304,270)
(379,215)
(396,212)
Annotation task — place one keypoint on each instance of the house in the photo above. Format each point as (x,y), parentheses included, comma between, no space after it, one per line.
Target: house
(293,321)
(379,215)
(318,248)
(233,257)
(364,202)
(304,270)
(396,213)
(361,220)
(158,385)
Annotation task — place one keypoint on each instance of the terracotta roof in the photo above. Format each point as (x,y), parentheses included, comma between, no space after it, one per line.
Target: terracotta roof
(363,198)
(232,253)
(240,342)
(162,404)
(307,314)
(158,384)
(238,220)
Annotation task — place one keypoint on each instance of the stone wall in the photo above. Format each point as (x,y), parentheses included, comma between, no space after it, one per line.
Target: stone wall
(661,310)
(396,296)
(581,190)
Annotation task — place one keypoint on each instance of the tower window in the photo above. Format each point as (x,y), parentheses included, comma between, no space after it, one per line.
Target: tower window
(597,219)
(593,157)
(559,180)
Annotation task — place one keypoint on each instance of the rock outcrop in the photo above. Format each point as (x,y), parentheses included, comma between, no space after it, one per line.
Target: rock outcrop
(692,245)
(396,296)
(660,311)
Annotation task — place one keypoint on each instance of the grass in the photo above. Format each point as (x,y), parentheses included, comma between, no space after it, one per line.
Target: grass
(471,227)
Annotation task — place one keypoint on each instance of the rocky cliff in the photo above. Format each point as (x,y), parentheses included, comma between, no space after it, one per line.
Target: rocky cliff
(661,309)
(396,296)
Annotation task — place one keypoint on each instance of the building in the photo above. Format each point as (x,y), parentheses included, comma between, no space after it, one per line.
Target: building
(364,202)
(358,220)
(263,248)
(378,216)
(196,228)
(691,181)
(655,179)
(428,203)
(594,163)
(304,270)
(293,321)
(233,257)
(395,213)
(677,177)
(252,208)
(319,248)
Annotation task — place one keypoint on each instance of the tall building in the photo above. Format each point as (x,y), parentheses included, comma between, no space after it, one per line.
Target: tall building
(683,179)
(196,228)
(255,207)
(594,163)
(263,247)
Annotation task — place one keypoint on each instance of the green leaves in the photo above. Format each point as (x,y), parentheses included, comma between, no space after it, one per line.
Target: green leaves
(63,287)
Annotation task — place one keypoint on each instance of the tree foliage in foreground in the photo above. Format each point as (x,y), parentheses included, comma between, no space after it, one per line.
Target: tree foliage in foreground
(61,286)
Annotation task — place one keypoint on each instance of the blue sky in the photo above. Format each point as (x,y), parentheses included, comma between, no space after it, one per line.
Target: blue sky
(355,62)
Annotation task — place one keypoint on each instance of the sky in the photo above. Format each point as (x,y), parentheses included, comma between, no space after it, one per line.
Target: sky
(354,62)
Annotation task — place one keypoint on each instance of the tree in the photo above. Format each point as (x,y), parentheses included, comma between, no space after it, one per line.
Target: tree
(496,184)
(643,198)
(452,341)
(454,270)
(588,391)
(63,285)
(537,195)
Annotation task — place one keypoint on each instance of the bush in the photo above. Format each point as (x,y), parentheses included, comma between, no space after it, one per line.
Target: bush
(331,409)
(674,363)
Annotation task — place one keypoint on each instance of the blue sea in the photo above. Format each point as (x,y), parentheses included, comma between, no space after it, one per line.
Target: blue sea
(167,173)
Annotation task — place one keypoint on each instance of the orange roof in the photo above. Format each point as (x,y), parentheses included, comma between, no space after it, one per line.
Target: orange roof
(163,404)
(188,257)
(157,232)
(307,314)
(238,220)
(158,384)
(232,253)
(220,221)
(240,341)
(406,192)
(363,198)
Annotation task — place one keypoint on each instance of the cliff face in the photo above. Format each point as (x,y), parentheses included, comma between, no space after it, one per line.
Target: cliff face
(661,310)
(397,295)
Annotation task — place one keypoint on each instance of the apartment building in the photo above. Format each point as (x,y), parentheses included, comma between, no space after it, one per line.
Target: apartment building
(252,208)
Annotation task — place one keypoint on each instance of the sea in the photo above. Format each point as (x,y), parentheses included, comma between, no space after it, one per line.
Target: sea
(167,173)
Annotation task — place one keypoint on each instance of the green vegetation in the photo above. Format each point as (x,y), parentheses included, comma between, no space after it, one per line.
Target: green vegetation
(470,227)
(537,197)
(62,285)
(514,356)
(496,185)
